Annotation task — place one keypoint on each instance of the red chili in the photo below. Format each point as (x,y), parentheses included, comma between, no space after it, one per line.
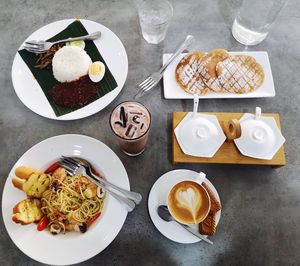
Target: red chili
(96,173)
(42,224)
(52,168)
(93,219)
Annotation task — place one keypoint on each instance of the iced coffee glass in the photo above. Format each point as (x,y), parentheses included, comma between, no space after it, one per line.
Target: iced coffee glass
(130,122)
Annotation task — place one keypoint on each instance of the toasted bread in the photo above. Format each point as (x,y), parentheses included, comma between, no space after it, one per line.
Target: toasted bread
(24,172)
(208,226)
(22,175)
(18,182)
(27,211)
(31,181)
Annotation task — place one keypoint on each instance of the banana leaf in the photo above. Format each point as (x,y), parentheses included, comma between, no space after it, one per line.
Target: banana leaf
(46,79)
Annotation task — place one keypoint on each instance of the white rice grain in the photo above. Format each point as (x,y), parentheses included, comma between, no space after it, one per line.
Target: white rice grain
(70,63)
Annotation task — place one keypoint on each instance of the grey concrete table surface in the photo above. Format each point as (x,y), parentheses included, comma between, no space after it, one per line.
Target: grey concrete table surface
(260,223)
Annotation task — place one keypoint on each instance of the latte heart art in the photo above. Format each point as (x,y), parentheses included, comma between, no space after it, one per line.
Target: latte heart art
(189,199)
(188,202)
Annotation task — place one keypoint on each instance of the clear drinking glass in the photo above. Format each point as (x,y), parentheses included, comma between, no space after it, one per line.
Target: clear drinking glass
(254,20)
(154,16)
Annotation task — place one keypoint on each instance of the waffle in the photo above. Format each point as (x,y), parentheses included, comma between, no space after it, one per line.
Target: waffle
(209,225)
(207,68)
(240,74)
(215,205)
(187,75)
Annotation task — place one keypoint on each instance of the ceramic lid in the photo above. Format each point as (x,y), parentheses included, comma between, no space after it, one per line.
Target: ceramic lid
(199,134)
(260,138)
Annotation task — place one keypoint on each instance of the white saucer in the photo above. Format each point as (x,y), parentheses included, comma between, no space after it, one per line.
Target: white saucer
(158,196)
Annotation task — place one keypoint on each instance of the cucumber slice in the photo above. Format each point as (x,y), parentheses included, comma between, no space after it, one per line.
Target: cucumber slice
(80,44)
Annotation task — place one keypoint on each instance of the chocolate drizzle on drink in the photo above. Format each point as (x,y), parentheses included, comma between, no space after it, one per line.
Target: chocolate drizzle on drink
(130,131)
(135,113)
(142,126)
(136,119)
(123,118)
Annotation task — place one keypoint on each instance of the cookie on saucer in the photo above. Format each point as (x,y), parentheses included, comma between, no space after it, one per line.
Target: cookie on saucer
(215,205)
(208,226)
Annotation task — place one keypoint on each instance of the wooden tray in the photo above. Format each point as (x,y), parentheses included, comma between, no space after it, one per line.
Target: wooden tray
(228,153)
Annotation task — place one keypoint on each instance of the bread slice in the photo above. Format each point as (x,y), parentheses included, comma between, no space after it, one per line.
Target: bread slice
(27,211)
(31,181)
(25,172)
(22,174)
(18,182)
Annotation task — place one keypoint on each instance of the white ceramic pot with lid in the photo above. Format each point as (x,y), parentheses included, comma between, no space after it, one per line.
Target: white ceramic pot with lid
(260,138)
(199,134)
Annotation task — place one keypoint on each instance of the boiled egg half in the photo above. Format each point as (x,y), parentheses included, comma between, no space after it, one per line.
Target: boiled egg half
(96,71)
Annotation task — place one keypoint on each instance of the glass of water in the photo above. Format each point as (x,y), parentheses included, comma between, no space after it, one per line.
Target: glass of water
(154,16)
(254,20)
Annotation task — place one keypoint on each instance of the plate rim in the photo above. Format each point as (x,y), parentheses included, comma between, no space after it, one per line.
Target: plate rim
(68,116)
(123,215)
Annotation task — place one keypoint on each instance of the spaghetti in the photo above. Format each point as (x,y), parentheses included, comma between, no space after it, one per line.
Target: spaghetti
(70,203)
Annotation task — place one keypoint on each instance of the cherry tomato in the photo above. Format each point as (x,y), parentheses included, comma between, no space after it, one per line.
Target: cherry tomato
(93,219)
(95,172)
(52,168)
(42,224)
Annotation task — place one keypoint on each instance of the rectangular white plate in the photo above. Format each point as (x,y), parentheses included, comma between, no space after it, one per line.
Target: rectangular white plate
(173,91)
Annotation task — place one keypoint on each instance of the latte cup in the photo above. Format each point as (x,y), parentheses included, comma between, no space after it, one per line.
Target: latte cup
(188,202)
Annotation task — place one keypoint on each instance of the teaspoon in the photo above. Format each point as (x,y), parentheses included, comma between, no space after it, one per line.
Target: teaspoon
(164,213)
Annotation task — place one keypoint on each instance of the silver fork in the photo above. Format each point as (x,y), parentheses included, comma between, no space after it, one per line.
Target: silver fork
(150,82)
(77,169)
(40,46)
(136,197)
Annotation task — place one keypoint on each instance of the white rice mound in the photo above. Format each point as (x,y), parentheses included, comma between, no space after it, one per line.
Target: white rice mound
(70,63)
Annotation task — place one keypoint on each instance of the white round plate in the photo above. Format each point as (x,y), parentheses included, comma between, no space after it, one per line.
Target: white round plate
(30,92)
(158,196)
(71,247)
